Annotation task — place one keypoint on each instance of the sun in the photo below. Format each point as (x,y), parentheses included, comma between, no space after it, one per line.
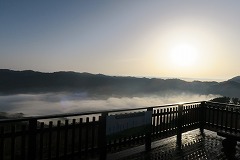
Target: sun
(183,55)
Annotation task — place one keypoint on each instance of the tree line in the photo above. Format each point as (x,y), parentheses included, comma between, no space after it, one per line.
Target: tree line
(228,100)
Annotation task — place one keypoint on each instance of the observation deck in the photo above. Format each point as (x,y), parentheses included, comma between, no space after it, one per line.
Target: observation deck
(173,131)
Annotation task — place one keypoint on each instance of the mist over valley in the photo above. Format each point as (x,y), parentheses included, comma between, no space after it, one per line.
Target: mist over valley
(57,103)
(36,93)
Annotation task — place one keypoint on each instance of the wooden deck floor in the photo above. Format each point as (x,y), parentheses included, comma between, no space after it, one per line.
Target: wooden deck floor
(195,147)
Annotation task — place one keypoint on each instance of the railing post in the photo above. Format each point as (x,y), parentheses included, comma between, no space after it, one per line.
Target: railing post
(148,140)
(179,125)
(32,139)
(202,118)
(102,136)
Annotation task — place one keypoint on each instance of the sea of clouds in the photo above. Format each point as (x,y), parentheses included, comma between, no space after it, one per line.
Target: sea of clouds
(58,103)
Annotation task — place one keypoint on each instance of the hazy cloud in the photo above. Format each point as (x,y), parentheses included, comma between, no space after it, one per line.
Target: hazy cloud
(52,103)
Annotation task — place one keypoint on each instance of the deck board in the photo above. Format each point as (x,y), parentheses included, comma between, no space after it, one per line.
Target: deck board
(195,146)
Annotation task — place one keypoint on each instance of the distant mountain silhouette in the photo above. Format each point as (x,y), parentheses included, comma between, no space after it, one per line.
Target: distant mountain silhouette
(235,79)
(12,82)
(228,88)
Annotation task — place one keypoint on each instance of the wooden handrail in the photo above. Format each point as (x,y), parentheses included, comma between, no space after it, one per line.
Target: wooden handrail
(90,112)
(166,120)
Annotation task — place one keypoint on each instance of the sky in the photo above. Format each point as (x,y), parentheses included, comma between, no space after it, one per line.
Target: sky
(172,38)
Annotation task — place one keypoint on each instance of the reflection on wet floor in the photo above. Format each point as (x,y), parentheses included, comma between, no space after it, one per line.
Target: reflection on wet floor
(194,147)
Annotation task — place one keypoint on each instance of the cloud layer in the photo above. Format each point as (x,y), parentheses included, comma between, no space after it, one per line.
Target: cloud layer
(52,103)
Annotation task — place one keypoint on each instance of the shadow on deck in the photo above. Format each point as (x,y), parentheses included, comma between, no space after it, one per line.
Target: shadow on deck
(195,146)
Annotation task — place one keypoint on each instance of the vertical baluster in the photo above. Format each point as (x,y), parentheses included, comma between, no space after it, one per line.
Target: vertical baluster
(226,121)
(58,139)
(97,130)
(161,122)
(222,117)
(136,139)
(202,108)
(194,115)
(164,121)
(148,134)
(120,140)
(154,122)
(236,120)
(209,115)
(231,120)
(13,142)
(139,138)
(198,111)
(87,134)
(184,116)
(191,112)
(198,114)
(102,139)
(142,139)
(80,137)
(2,142)
(197,120)
(41,141)
(167,120)
(174,118)
(188,112)
(159,116)
(190,115)
(66,139)
(50,140)
(23,142)
(170,120)
(73,138)
(115,143)
(187,116)
(32,147)
(214,116)
(179,126)
(125,141)
(217,123)
(93,134)
(109,142)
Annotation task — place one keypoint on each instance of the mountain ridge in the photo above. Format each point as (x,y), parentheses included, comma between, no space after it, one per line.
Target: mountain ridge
(28,81)
(235,79)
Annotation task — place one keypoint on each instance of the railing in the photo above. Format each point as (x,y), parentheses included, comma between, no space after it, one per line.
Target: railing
(222,117)
(83,135)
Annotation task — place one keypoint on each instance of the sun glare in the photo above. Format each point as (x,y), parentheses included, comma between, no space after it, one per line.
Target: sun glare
(183,55)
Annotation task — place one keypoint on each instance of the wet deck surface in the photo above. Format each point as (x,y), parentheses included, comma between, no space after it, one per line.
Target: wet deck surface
(195,147)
